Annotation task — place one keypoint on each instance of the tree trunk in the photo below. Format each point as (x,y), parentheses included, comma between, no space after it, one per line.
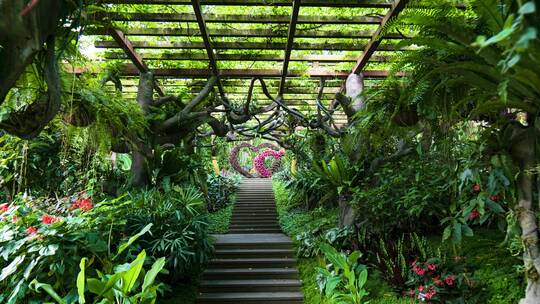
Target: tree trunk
(141,149)
(523,154)
(347,214)
(23,36)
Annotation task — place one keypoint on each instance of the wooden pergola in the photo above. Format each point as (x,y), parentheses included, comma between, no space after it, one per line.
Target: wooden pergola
(169,44)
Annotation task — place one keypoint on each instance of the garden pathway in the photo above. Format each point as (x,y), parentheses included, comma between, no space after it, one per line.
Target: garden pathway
(255,261)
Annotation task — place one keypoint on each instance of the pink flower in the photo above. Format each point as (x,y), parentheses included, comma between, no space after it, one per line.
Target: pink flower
(474,214)
(421,288)
(258,162)
(31,230)
(48,220)
(4,208)
(494,198)
(419,270)
(450,280)
(476,188)
(432,267)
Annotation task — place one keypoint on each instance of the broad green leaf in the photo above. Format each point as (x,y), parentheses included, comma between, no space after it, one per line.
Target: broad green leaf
(362,279)
(331,285)
(132,239)
(12,267)
(150,276)
(80,280)
(456,233)
(467,231)
(132,274)
(527,8)
(48,289)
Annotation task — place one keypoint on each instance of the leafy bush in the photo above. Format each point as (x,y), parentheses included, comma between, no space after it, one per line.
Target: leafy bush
(343,280)
(220,190)
(309,243)
(48,248)
(180,228)
(437,280)
(392,257)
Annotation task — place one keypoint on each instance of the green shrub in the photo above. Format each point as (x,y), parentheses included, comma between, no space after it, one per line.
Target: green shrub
(343,280)
(220,190)
(180,228)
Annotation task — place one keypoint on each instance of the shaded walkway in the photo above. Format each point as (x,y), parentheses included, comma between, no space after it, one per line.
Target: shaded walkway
(255,261)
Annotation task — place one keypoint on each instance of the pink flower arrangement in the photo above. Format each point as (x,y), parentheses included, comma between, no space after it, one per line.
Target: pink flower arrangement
(258,161)
(233,157)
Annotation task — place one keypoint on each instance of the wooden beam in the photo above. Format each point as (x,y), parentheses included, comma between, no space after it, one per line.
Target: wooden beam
(310,3)
(246,46)
(131,70)
(376,40)
(125,44)
(231,18)
(207,44)
(250,73)
(258,33)
(289,46)
(187,56)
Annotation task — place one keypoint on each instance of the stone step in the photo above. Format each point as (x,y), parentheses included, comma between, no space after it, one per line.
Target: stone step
(254,218)
(254,226)
(247,273)
(253,241)
(250,285)
(248,210)
(248,220)
(255,230)
(259,253)
(266,212)
(278,297)
(252,263)
(254,207)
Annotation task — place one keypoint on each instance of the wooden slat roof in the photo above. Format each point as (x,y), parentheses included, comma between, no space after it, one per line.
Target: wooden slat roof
(239,39)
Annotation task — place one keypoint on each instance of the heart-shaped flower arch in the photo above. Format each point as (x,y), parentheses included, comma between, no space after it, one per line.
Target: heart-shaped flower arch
(233,157)
(258,162)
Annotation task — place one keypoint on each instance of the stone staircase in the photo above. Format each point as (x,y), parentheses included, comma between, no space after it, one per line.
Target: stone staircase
(254,262)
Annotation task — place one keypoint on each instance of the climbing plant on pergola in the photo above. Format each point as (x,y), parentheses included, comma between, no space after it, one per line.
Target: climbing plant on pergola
(222,40)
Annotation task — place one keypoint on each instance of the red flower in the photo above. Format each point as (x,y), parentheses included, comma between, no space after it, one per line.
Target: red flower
(450,280)
(47,219)
(432,267)
(31,230)
(421,288)
(419,270)
(83,204)
(476,188)
(14,219)
(474,214)
(494,198)
(438,281)
(4,208)
(430,294)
